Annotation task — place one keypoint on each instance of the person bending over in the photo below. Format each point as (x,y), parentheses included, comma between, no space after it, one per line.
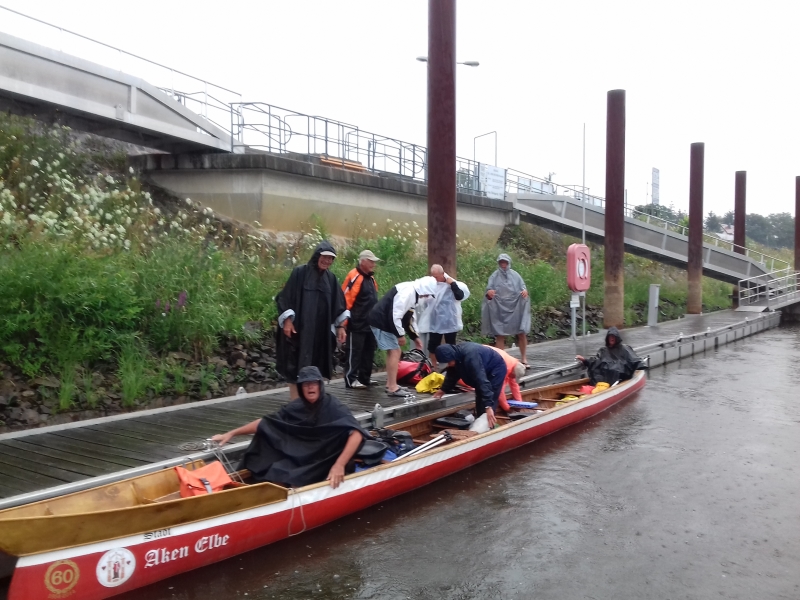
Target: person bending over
(391,318)
(311,438)
(478,366)
(515,371)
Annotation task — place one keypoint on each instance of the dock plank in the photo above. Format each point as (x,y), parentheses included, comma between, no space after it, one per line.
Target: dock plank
(42,463)
(115,455)
(22,469)
(60,456)
(156,452)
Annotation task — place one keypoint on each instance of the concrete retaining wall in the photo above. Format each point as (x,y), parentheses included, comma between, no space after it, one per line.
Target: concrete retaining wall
(281,194)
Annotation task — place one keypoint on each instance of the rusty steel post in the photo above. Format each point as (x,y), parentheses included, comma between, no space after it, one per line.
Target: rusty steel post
(739,209)
(694,267)
(614,284)
(797,224)
(442,134)
(739,212)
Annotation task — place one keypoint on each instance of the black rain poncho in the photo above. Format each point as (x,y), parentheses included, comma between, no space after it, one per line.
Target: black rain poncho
(298,445)
(612,364)
(508,313)
(316,302)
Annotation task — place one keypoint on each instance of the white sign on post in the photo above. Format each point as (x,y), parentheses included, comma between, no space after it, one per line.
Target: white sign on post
(492,181)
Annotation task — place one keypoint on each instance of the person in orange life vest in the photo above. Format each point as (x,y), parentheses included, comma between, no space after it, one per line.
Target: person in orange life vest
(514,371)
(361,295)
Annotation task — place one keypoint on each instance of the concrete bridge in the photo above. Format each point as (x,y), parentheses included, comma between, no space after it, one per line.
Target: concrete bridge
(55,86)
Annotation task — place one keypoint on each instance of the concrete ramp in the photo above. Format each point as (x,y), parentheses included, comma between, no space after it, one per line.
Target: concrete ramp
(36,80)
(565,214)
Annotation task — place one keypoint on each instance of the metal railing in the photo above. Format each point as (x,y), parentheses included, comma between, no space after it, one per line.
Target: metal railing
(770,290)
(279,130)
(207,99)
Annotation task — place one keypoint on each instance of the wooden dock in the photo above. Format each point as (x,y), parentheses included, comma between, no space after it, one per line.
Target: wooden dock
(49,461)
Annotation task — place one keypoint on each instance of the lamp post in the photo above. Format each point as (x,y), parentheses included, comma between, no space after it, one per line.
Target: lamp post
(474,146)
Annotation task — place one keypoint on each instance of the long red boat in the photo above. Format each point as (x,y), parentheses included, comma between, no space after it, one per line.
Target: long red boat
(109,540)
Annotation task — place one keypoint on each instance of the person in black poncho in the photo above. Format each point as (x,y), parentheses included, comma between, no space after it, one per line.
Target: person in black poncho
(310,439)
(614,362)
(309,304)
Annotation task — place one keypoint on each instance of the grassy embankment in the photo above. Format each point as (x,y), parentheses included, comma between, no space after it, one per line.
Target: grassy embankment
(97,278)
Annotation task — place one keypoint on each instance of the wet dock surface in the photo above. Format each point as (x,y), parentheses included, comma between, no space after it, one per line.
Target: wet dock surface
(687,490)
(43,458)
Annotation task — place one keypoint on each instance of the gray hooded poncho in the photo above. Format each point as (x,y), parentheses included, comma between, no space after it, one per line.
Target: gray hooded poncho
(508,313)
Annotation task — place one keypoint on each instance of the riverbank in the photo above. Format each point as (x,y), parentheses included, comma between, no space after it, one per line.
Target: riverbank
(119,296)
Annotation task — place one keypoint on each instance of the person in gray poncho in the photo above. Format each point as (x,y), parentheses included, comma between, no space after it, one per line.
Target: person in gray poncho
(506,307)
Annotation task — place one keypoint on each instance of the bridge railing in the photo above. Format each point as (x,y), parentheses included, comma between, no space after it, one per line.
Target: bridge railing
(279,130)
(209,100)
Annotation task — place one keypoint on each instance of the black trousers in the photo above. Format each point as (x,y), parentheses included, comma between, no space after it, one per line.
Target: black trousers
(359,352)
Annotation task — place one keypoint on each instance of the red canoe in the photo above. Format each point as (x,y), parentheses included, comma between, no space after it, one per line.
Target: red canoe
(178,541)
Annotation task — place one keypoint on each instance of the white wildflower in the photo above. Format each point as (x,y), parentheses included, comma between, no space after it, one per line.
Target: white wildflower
(22,185)
(34,163)
(127,244)
(110,179)
(130,170)
(189,201)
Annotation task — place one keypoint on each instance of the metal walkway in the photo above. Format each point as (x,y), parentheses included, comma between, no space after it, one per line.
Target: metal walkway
(50,461)
(55,85)
(644,236)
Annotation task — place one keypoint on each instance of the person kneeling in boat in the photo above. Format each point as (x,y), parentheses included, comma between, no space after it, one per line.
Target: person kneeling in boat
(614,362)
(311,438)
(477,366)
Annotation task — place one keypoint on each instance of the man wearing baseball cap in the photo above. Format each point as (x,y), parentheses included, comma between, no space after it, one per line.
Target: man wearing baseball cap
(361,294)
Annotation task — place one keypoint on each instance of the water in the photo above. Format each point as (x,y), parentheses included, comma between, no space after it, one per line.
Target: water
(687,491)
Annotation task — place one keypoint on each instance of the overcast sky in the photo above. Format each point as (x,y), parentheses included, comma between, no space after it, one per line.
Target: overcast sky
(722,73)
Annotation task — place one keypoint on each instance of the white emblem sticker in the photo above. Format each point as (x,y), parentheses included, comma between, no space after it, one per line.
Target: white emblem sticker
(115,567)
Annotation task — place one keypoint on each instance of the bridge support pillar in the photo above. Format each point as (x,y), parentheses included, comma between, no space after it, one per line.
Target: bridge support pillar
(739,212)
(797,224)
(694,301)
(614,284)
(441,168)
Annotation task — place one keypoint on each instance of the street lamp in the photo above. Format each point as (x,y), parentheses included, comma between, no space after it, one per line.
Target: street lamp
(469,63)
(474,145)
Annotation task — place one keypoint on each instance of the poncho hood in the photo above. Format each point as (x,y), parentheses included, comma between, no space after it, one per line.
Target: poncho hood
(323,246)
(306,375)
(615,332)
(505,257)
(425,286)
(446,353)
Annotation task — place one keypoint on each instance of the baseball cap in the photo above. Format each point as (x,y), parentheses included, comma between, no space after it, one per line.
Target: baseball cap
(327,253)
(368,255)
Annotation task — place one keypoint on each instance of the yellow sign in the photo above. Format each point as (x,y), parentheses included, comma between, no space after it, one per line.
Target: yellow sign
(61,577)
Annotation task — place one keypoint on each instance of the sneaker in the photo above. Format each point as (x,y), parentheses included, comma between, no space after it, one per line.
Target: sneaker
(400,392)
(357,385)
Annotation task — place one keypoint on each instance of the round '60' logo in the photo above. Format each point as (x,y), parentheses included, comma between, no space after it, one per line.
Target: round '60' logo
(61,577)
